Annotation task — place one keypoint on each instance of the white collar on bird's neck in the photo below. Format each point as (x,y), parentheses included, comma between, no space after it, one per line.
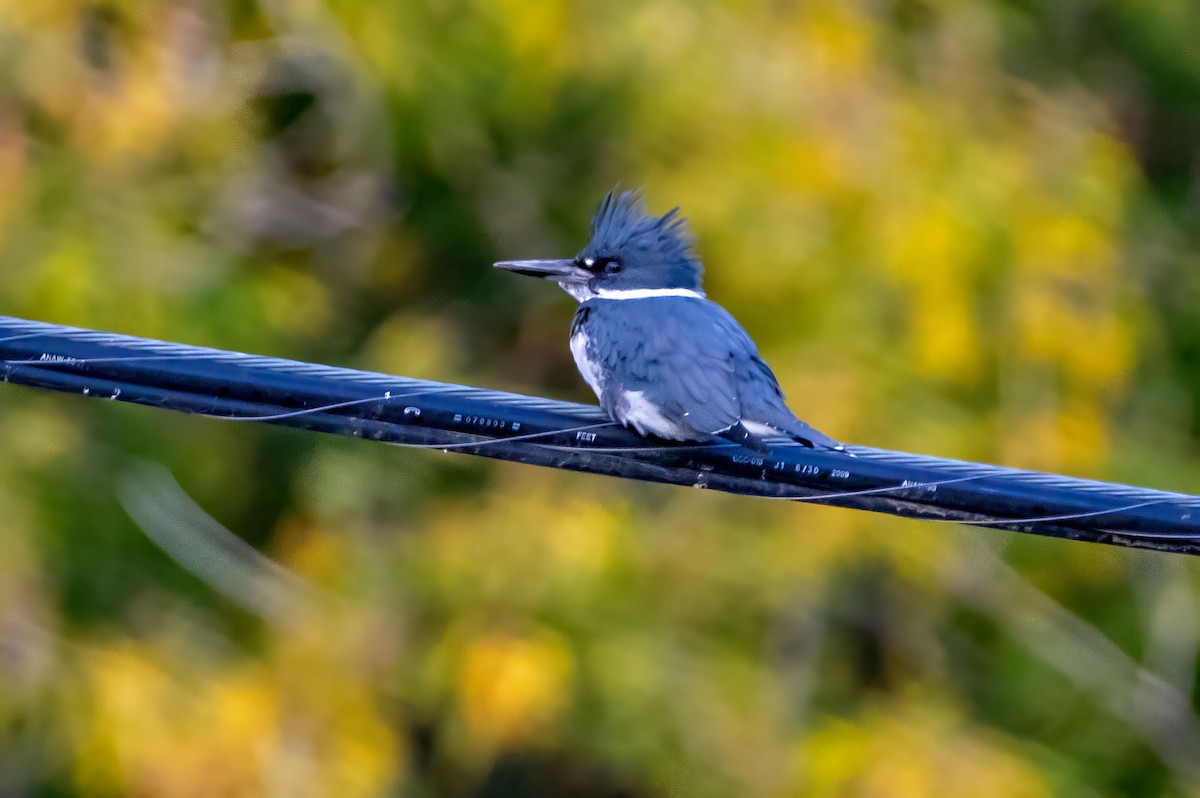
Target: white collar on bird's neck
(582,292)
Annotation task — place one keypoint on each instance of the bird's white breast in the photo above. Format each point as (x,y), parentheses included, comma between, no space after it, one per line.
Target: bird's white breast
(593,375)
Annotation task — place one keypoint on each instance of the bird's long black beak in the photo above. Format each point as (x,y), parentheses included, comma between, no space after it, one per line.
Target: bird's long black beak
(562,271)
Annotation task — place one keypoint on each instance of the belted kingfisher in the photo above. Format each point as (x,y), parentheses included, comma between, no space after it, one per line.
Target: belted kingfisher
(661,358)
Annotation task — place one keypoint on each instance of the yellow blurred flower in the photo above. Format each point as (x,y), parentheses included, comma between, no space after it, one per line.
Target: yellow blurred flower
(233,731)
(512,688)
(913,750)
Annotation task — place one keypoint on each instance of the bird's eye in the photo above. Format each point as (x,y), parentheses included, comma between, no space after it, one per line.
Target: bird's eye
(601,265)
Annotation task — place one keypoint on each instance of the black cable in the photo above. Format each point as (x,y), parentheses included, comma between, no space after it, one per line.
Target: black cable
(507,426)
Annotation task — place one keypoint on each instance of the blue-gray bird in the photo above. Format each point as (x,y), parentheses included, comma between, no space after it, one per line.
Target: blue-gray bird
(661,358)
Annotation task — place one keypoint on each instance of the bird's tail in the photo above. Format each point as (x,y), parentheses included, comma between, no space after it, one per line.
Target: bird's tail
(802,433)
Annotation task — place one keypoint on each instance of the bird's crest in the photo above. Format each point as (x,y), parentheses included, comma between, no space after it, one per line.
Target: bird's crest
(621,226)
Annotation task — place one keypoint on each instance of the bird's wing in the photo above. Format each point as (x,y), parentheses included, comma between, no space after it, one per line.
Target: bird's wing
(763,401)
(680,356)
(760,397)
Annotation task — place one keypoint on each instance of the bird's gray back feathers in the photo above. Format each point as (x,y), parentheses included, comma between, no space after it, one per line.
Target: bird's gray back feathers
(680,368)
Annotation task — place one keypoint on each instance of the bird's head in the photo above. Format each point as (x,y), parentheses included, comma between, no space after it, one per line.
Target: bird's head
(628,250)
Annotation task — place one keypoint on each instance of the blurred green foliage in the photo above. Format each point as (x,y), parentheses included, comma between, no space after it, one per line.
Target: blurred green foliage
(962,228)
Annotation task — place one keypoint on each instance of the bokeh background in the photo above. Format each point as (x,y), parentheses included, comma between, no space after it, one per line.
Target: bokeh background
(961,228)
